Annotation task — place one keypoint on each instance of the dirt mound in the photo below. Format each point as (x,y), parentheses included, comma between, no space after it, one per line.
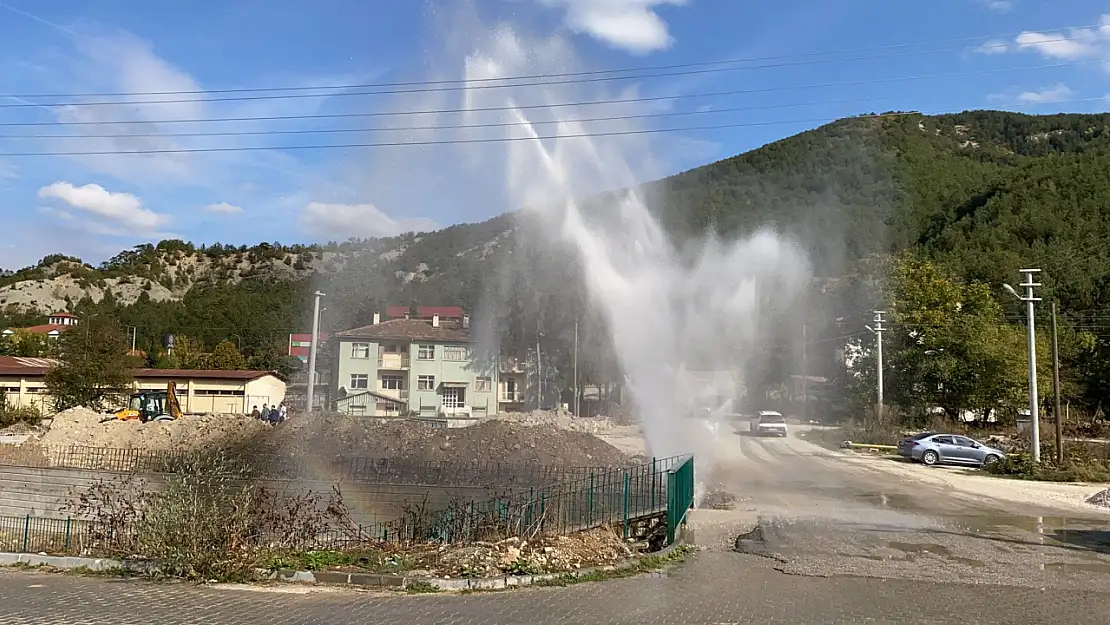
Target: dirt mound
(338,435)
(87,428)
(493,441)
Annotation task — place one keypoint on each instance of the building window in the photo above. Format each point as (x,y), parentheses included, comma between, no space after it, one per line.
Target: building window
(393,382)
(360,350)
(456,353)
(483,385)
(426,382)
(454,397)
(426,352)
(392,348)
(360,381)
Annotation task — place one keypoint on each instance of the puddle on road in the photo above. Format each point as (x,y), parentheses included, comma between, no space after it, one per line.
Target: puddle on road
(1079,567)
(933,549)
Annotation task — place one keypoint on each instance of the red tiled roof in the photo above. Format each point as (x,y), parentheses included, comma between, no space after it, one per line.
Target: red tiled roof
(45,328)
(426,312)
(408,330)
(396,312)
(444,312)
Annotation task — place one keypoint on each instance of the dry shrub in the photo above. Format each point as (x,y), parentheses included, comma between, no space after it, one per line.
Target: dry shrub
(209,519)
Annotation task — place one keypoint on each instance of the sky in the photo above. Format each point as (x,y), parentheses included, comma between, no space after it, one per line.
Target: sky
(210,163)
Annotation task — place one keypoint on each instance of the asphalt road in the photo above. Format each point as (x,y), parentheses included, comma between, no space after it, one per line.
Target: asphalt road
(819,542)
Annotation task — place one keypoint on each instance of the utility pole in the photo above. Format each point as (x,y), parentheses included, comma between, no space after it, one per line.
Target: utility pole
(539,370)
(805,378)
(878,332)
(1056,391)
(576,369)
(1034,402)
(312,352)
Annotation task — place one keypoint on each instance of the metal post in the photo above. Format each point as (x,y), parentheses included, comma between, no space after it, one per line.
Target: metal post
(26,533)
(576,369)
(627,500)
(1056,412)
(878,332)
(312,352)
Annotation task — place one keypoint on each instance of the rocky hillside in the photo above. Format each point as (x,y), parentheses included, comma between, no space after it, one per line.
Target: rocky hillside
(981,192)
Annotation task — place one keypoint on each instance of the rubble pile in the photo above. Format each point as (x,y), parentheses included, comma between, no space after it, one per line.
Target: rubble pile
(566,421)
(88,428)
(1101,499)
(495,440)
(515,556)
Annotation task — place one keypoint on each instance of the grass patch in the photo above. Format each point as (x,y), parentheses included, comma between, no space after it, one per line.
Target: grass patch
(1078,466)
(420,588)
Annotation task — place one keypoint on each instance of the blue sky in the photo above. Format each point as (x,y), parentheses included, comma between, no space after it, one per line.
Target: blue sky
(95,205)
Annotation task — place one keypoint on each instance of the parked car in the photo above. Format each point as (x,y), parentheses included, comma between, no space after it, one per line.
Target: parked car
(932,448)
(771,423)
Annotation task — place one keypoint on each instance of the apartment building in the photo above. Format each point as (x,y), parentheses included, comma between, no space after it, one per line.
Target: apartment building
(407,366)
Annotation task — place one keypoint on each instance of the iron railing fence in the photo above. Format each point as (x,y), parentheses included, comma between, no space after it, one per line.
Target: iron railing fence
(304,466)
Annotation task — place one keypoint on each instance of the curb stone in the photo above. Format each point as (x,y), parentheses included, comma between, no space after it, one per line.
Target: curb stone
(370,580)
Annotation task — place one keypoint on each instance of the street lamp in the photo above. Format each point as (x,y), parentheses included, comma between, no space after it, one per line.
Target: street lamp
(312,352)
(1029,298)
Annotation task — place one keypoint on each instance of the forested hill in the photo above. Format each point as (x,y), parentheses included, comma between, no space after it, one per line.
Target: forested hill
(984,193)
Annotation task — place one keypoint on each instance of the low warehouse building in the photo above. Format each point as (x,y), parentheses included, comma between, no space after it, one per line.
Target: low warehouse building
(22,381)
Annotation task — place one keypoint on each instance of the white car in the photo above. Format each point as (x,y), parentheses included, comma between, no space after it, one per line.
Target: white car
(771,423)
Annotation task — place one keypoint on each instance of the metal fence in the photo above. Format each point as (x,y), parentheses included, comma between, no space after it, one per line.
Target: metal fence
(613,497)
(28,534)
(346,468)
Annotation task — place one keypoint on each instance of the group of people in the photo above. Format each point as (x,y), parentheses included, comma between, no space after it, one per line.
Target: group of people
(275,414)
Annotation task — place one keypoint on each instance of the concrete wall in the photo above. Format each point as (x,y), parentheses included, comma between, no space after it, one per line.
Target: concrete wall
(44,493)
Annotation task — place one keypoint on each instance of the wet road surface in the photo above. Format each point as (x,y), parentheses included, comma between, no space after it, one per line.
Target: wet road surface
(808,539)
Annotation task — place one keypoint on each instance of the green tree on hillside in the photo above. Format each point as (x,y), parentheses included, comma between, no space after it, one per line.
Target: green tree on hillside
(225,357)
(94,370)
(949,345)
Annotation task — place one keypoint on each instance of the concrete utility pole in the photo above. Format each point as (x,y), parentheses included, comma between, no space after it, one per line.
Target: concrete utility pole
(576,369)
(1034,402)
(878,332)
(1056,391)
(805,378)
(312,352)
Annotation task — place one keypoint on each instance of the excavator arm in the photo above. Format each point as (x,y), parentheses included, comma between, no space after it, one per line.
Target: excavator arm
(173,406)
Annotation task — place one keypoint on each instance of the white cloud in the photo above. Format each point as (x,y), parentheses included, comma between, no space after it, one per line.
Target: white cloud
(223,208)
(632,25)
(344,221)
(998,5)
(1079,45)
(994,46)
(1055,93)
(122,209)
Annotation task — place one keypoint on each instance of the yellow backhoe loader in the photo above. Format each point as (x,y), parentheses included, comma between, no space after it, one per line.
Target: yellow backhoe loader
(148,406)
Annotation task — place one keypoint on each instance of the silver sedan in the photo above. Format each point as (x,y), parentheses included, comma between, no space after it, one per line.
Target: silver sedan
(931,448)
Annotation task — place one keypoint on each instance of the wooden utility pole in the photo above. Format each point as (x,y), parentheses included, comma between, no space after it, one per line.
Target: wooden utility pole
(1056,390)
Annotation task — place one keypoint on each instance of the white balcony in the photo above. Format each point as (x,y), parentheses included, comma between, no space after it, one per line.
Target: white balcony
(393,361)
(511,364)
(511,398)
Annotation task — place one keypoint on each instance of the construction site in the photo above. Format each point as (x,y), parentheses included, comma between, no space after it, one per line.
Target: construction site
(563,492)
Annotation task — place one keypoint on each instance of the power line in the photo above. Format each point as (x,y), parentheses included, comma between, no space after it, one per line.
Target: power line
(246,133)
(522,107)
(599,75)
(466,141)
(395,92)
